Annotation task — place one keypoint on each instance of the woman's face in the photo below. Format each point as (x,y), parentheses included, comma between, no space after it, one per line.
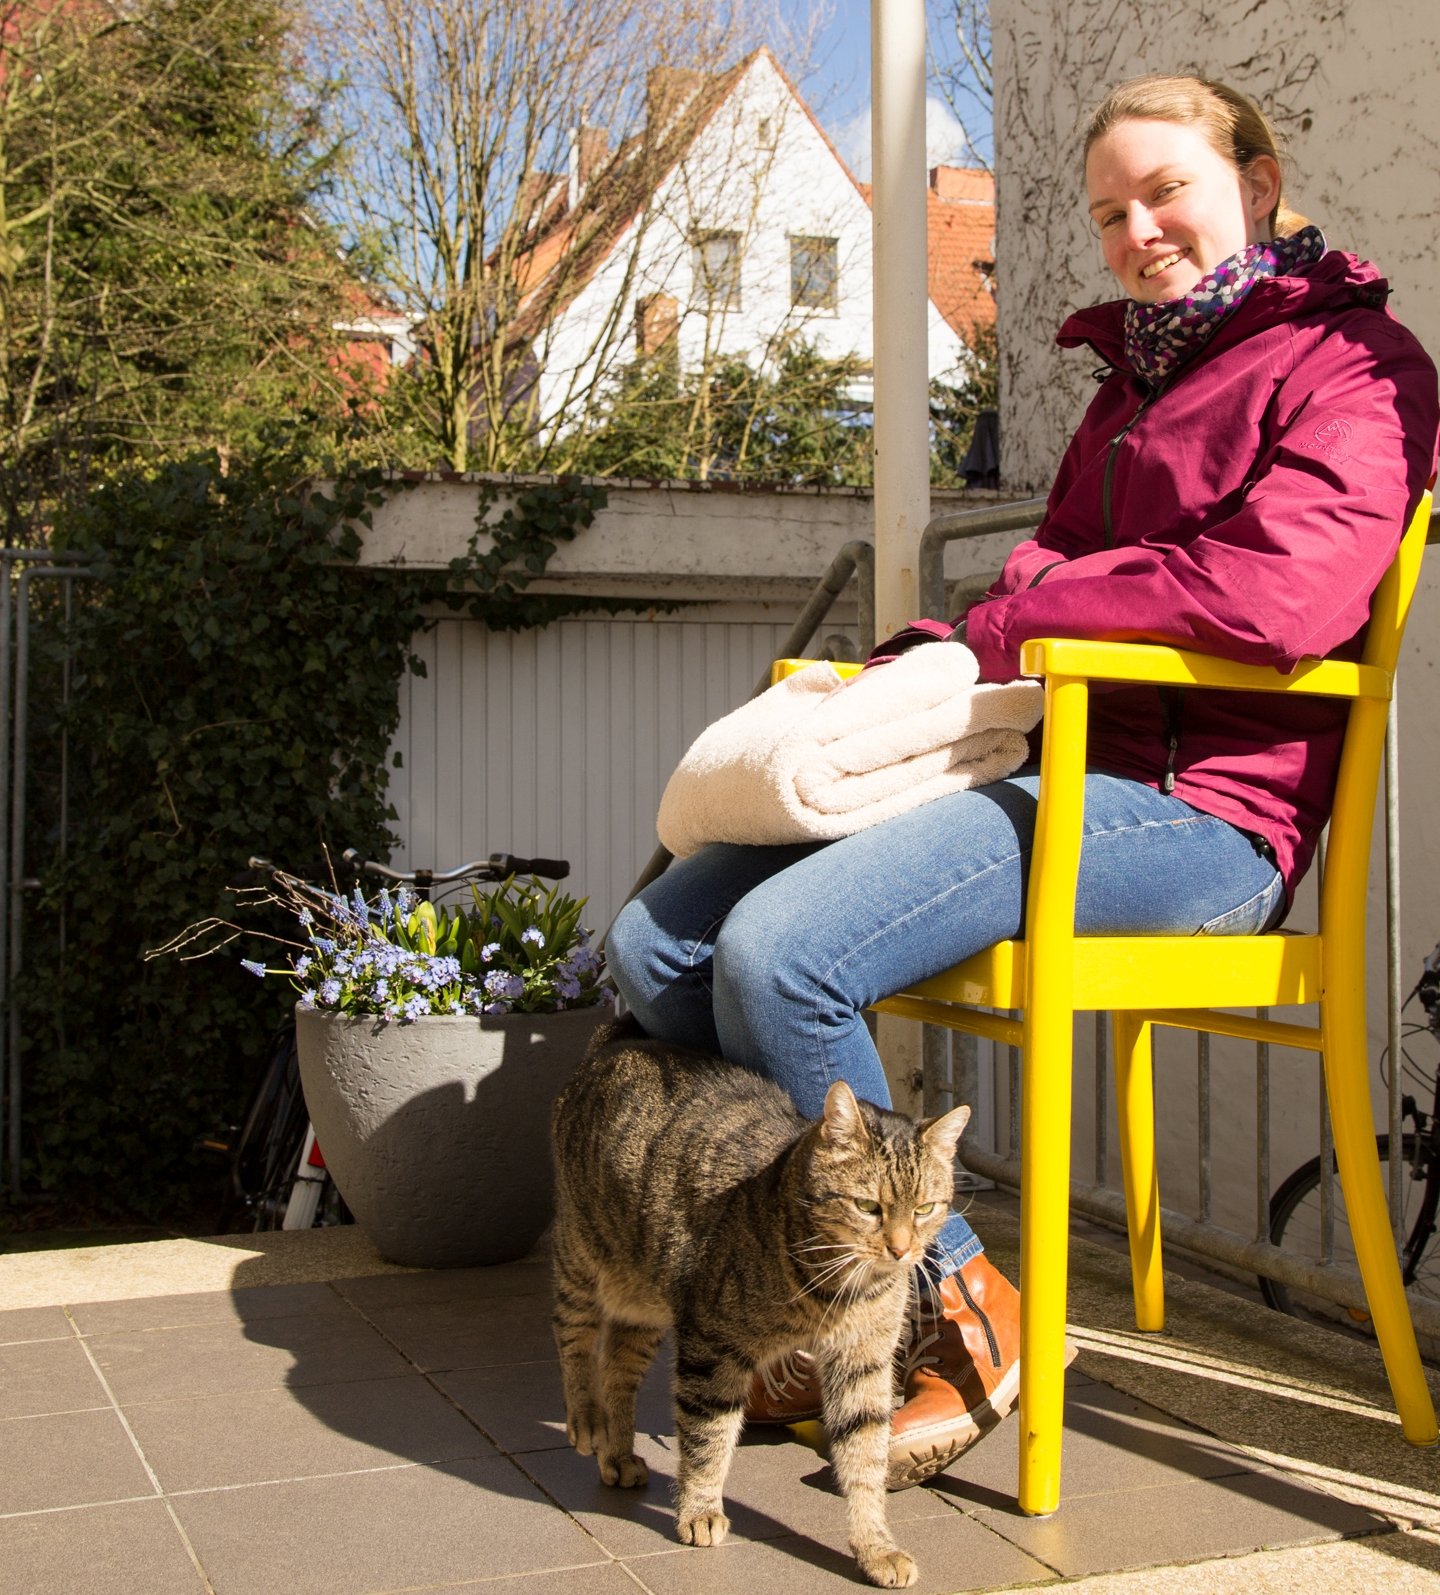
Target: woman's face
(1169,207)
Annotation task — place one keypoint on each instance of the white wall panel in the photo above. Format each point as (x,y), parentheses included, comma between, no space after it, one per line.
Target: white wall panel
(559,742)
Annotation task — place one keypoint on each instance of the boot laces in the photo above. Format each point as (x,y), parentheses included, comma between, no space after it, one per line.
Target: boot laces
(919,1344)
(789,1376)
(927,1323)
(926,1319)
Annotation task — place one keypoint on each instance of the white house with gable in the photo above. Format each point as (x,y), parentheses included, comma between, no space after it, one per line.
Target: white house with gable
(754,233)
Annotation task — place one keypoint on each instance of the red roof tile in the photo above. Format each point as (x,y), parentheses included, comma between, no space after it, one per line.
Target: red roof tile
(960,220)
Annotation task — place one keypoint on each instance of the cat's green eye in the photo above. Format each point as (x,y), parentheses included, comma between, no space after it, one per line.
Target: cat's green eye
(926,1209)
(866,1205)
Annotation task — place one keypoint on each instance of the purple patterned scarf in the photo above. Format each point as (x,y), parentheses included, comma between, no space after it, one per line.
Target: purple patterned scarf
(1160,337)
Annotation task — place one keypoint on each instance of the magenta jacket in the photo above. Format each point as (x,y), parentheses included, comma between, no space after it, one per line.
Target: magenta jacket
(1246,508)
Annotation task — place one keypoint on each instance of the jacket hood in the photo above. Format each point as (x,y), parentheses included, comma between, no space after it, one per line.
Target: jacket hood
(1335,281)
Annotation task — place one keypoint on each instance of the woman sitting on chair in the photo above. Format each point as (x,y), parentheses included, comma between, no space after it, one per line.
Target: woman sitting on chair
(1263,430)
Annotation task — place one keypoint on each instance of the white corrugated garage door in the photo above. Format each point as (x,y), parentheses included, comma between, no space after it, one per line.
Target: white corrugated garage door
(558,742)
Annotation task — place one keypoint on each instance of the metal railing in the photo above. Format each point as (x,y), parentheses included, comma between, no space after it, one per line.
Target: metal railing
(43,565)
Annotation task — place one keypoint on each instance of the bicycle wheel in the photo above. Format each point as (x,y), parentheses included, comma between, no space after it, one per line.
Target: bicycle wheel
(267,1150)
(1295,1225)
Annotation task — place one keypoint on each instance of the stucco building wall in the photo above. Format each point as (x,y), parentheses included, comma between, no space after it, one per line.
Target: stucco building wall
(1350,84)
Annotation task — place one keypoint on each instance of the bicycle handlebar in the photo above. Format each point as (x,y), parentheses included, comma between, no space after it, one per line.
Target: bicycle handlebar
(495,868)
(498,867)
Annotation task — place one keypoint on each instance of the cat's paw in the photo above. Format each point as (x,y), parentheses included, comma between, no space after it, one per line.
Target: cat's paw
(889,1569)
(586,1432)
(628,1472)
(703,1528)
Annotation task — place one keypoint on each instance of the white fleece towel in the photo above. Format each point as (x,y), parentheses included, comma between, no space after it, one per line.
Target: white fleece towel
(814,757)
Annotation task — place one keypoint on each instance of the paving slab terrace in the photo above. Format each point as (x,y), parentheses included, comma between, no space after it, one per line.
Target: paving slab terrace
(291,1415)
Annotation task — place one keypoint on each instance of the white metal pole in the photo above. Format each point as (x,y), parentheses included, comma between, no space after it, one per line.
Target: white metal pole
(902,369)
(901,319)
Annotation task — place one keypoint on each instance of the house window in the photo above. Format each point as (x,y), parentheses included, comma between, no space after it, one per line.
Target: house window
(717,270)
(814,273)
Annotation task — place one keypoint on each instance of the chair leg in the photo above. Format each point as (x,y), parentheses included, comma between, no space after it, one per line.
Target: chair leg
(1135,1106)
(1044,1252)
(1342,1022)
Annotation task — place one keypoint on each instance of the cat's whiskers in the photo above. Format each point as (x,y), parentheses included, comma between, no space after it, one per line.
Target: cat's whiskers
(798,1252)
(850,1287)
(925,1276)
(827,1272)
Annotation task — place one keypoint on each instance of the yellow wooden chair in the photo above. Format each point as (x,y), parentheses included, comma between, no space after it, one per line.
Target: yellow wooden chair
(1180,981)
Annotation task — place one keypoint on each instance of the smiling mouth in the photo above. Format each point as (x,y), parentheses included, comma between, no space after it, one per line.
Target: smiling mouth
(1163,264)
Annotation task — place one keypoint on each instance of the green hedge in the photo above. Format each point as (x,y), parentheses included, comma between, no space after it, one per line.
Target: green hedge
(235,677)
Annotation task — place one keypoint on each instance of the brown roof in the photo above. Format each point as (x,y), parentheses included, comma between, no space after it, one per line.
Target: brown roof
(960,218)
(611,203)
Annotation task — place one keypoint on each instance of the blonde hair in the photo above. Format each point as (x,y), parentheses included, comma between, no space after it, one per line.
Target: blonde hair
(1233,124)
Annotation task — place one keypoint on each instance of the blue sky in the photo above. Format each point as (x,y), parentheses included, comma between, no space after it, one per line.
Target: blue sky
(838,85)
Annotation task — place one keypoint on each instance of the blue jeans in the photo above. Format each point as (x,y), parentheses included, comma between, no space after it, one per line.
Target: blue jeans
(770,955)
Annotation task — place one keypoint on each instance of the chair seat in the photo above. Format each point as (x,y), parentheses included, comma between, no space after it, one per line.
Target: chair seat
(1142,972)
(1128,973)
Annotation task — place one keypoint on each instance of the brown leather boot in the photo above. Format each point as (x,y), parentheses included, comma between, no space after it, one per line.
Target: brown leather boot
(787,1391)
(961,1371)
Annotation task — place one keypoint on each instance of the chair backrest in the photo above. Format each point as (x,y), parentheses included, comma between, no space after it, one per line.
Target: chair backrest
(1347,860)
(1390,605)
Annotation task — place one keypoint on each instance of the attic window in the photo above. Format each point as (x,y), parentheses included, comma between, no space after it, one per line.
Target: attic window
(716,261)
(814,273)
(765,133)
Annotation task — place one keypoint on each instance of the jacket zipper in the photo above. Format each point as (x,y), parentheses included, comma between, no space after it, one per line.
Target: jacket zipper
(1174,702)
(1115,442)
(1169,696)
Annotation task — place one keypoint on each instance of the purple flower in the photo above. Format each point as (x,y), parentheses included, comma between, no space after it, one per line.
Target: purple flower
(253,967)
(329,992)
(508,987)
(535,937)
(488,951)
(568,987)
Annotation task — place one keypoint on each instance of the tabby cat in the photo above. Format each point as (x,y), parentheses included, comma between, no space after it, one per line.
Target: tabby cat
(692,1195)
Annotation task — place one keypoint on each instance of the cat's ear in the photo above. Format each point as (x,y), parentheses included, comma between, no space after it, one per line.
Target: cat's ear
(841,1124)
(942,1135)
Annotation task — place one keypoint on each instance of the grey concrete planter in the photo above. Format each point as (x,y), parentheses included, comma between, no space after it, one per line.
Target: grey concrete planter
(437,1133)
